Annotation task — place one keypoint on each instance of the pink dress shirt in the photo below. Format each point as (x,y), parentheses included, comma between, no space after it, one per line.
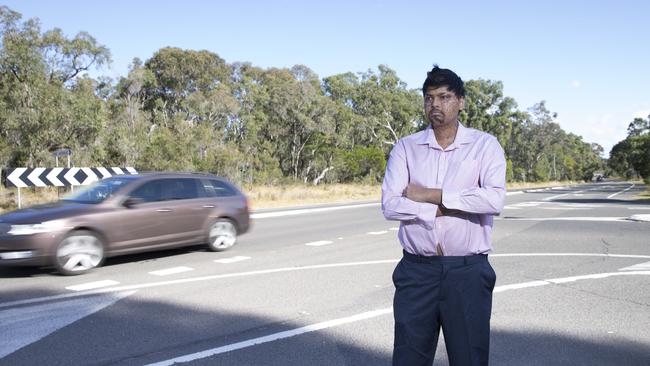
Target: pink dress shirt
(472,175)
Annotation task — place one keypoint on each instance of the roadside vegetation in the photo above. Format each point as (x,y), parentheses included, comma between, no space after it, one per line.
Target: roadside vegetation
(260,197)
(188,110)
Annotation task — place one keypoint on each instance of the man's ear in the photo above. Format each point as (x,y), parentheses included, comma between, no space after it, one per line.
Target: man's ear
(462,103)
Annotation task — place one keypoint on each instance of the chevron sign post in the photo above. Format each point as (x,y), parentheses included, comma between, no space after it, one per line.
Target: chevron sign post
(59,177)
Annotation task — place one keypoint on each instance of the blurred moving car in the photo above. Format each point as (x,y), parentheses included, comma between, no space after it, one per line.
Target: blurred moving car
(124,215)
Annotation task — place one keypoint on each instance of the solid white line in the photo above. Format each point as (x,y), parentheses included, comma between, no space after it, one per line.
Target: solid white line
(275,337)
(235,259)
(617,193)
(170,271)
(377,232)
(276,270)
(263,215)
(364,316)
(514,193)
(637,267)
(569,255)
(561,195)
(319,243)
(92,285)
(619,219)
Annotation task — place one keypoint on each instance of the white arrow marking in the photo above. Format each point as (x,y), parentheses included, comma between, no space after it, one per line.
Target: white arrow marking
(69,176)
(51,176)
(23,326)
(14,177)
(105,172)
(33,176)
(90,176)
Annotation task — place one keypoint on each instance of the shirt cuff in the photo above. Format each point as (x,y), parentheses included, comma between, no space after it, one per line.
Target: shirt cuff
(451,200)
(427,212)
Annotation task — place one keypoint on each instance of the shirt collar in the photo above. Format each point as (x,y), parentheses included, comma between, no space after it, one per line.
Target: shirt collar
(463,136)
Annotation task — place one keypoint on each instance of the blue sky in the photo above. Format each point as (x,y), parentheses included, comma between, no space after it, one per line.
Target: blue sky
(589,60)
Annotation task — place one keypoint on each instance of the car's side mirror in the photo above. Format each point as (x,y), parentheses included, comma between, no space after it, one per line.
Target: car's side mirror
(132,201)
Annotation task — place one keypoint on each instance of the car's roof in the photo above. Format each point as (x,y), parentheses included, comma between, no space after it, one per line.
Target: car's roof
(172,175)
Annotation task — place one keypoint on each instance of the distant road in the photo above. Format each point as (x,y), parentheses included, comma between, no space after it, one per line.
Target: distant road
(313,287)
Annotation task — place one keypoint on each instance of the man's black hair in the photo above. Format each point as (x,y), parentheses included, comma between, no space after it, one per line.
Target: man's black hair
(438,77)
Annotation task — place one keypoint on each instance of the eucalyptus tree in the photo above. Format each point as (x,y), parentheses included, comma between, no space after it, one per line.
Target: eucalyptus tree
(47,101)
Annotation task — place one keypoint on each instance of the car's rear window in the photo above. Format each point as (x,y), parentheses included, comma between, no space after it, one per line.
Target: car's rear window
(218,188)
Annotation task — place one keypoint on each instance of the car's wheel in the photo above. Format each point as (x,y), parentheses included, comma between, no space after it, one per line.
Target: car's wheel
(78,253)
(222,235)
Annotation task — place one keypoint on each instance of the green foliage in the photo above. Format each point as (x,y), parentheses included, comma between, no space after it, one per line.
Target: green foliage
(631,157)
(187,110)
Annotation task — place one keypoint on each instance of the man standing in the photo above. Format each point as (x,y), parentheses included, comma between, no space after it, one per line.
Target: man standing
(444,185)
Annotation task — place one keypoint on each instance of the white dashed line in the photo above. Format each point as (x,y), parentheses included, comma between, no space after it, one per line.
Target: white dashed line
(394,229)
(170,271)
(238,258)
(377,232)
(319,243)
(92,285)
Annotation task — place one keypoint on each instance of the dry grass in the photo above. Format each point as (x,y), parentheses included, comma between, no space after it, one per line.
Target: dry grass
(259,196)
(299,195)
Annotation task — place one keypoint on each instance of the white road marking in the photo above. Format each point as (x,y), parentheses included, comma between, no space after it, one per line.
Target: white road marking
(190,280)
(617,193)
(25,325)
(569,255)
(276,270)
(319,243)
(263,215)
(92,285)
(235,259)
(637,267)
(364,316)
(377,232)
(394,229)
(619,219)
(640,217)
(514,193)
(561,195)
(170,271)
(511,208)
(275,337)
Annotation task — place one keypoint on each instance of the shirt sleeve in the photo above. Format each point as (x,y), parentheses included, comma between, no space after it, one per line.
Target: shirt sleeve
(396,178)
(489,196)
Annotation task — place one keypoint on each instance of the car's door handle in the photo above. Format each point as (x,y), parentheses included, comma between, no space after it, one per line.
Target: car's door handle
(163,210)
(208,206)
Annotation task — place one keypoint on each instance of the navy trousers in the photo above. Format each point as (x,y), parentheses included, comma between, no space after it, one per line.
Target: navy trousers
(452,293)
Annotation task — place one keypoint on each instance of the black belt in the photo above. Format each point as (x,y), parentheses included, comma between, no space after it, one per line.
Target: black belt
(468,259)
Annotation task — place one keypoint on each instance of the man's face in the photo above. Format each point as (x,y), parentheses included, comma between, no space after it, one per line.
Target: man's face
(441,106)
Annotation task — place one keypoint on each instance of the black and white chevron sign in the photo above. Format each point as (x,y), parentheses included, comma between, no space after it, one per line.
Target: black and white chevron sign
(59,177)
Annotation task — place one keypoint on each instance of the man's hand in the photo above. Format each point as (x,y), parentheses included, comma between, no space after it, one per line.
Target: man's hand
(418,193)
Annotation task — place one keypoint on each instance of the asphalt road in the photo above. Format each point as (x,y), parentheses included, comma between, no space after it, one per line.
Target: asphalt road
(313,287)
